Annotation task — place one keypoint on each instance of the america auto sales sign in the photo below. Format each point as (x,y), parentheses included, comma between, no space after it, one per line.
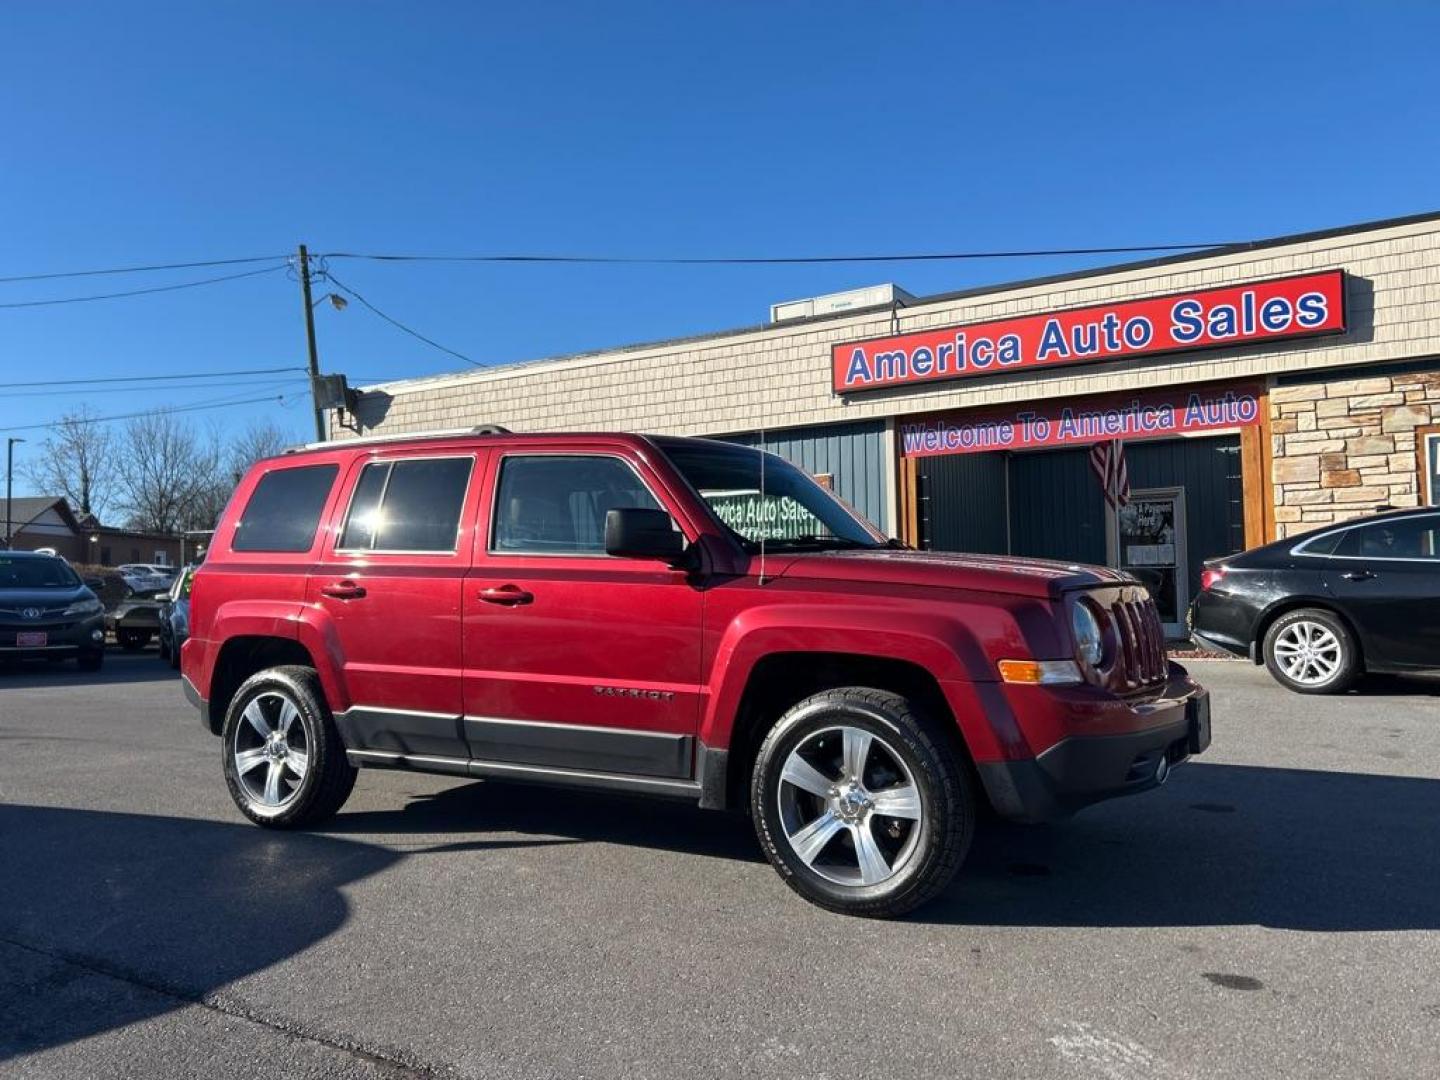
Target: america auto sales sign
(1258,311)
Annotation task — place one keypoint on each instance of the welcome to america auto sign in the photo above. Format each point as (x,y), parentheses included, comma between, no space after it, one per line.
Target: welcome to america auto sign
(1279,308)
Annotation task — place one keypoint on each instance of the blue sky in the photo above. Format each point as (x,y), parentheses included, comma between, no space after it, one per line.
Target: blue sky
(153,132)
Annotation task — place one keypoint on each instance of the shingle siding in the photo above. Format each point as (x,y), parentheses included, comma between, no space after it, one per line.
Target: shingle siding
(779,377)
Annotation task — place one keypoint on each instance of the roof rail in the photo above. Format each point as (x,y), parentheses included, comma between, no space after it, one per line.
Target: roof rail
(371,440)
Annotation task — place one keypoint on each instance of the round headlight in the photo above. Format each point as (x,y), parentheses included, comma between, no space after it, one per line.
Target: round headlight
(1089,643)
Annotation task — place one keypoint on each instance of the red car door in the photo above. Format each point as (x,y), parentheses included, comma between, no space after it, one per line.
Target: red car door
(575,660)
(390,578)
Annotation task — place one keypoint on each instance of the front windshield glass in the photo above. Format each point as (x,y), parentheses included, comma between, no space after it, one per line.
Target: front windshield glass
(35,574)
(795,511)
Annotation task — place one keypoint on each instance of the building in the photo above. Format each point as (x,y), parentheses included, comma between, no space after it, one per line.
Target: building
(1259,391)
(47,521)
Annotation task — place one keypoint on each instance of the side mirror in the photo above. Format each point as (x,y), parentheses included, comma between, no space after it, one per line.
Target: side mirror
(632,533)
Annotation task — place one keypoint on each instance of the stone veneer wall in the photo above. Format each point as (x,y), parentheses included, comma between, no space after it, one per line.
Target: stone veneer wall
(1345,447)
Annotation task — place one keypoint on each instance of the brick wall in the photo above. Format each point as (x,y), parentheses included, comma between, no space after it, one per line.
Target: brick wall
(1344,447)
(780,376)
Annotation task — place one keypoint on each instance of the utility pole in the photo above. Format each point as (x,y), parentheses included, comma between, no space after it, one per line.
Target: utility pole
(9,474)
(320,433)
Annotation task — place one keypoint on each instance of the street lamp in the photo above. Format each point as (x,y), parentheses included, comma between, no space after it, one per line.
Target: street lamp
(9,473)
(338,302)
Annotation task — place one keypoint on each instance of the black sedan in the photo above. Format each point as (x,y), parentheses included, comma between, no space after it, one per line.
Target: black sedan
(1320,609)
(48,613)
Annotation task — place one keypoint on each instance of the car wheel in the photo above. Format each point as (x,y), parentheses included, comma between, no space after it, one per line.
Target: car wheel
(284,762)
(174,656)
(163,646)
(132,640)
(1311,651)
(861,803)
(90,661)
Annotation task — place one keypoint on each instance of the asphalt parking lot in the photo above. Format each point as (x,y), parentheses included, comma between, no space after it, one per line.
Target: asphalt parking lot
(1273,911)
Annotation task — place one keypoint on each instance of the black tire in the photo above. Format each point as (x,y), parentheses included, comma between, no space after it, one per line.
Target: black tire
(329,776)
(132,640)
(174,655)
(932,848)
(162,644)
(1281,640)
(90,661)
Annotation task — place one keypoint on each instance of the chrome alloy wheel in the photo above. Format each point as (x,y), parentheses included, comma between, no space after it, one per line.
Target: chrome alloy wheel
(849,806)
(270,752)
(1308,652)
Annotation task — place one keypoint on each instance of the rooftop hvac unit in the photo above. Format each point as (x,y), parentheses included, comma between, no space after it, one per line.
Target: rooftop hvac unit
(874,296)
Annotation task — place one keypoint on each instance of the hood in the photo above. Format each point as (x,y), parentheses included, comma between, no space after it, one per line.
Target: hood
(949,570)
(22,598)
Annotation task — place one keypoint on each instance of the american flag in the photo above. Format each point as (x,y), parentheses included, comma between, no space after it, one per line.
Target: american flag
(1107,462)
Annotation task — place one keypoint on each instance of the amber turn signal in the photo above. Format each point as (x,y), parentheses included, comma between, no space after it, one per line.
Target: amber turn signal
(1039,672)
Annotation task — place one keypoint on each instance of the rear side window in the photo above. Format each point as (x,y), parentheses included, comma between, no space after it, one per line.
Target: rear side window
(284,511)
(408,505)
(1406,538)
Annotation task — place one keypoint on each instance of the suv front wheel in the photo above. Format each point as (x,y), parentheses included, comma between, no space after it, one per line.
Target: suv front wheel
(284,762)
(861,804)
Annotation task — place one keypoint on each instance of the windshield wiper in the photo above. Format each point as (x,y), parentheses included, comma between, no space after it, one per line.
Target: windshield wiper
(810,540)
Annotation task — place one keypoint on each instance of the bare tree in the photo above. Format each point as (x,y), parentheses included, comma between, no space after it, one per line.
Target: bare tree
(261,439)
(167,474)
(75,461)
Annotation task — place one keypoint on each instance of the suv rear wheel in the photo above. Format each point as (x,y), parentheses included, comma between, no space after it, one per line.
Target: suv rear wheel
(284,762)
(860,805)
(1311,651)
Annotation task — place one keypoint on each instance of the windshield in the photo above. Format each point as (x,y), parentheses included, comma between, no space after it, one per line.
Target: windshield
(36,574)
(795,511)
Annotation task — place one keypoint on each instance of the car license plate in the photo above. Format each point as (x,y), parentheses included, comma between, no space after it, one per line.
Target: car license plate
(31,639)
(1199,710)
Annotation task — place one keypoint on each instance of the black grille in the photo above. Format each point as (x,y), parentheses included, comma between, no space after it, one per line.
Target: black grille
(1142,641)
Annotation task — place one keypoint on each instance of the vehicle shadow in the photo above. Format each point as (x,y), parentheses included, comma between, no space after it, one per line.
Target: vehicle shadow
(1396,686)
(120,669)
(496,806)
(1219,845)
(179,907)
(1290,849)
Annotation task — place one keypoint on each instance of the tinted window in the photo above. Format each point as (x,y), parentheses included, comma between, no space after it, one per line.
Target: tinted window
(410,505)
(285,509)
(1322,545)
(1407,538)
(557,505)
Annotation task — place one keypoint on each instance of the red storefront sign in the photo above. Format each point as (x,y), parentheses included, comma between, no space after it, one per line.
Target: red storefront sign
(1070,421)
(1275,309)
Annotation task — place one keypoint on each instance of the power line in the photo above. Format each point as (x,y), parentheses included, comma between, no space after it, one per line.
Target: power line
(394,322)
(661,261)
(142,292)
(252,382)
(153,378)
(138,269)
(775,260)
(221,404)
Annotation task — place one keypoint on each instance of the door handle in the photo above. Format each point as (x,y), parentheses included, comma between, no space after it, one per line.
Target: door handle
(343,590)
(1357,575)
(509,595)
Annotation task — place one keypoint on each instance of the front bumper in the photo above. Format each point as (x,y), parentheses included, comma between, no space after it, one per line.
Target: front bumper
(62,638)
(1079,770)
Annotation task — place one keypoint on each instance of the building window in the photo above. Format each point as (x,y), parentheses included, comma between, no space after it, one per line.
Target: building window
(1427,449)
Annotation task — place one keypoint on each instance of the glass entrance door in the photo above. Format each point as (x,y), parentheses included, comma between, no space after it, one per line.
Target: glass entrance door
(1147,540)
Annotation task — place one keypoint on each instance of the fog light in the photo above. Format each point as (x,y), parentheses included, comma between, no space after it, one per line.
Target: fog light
(97,635)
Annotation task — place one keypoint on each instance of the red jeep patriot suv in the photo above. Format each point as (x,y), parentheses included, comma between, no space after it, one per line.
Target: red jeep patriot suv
(680,617)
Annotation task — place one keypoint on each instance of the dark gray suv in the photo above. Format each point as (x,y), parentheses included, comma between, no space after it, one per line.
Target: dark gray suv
(47,613)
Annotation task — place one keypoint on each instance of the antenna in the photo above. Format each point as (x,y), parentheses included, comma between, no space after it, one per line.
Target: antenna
(764,515)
